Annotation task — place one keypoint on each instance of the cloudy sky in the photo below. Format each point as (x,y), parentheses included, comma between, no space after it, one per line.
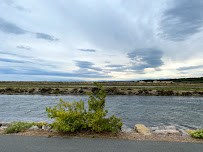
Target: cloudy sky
(92,40)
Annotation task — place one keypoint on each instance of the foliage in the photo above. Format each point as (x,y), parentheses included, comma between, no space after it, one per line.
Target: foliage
(39,124)
(198,134)
(18,127)
(74,117)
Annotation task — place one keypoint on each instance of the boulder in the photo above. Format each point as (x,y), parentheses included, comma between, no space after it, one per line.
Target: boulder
(126,129)
(33,128)
(161,128)
(5,123)
(170,127)
(142,129)
(166,131)
(154,128)
(3,127)
(44,127)
(53,130)
(183,132)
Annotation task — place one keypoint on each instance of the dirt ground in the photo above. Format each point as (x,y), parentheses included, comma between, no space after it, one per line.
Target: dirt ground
(107,135)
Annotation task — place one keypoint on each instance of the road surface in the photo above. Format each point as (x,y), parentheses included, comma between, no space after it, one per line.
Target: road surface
(14,143)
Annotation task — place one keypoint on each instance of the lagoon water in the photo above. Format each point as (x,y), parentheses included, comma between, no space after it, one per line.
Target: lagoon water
(184,112)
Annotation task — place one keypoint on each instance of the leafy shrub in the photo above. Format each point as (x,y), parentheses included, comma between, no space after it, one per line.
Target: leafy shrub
(74,117)
(198,134)
(18,127)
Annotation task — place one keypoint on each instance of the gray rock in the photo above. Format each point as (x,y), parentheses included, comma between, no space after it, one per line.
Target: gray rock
(44,127)
(3,127)
(5,123)
(154,128)
(161,128)
(183,132)
(166,131)
(170,127)
(126,129)
(33,128)
(53,130)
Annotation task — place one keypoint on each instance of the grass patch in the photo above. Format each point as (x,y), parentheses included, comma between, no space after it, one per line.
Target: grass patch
(18,127)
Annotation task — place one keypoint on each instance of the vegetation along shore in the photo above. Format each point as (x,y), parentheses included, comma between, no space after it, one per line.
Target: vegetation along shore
(175,90)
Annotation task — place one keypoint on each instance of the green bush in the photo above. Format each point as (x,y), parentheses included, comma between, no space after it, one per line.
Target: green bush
(18,127)
(74,117)
(198,134)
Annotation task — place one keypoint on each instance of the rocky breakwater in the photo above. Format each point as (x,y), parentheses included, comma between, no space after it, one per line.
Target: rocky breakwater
(164,130)
(167,130)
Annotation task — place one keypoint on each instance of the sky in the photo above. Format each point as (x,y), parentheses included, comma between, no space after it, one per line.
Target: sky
(100,40)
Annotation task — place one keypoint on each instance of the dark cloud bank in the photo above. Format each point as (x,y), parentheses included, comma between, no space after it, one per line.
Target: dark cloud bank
(182,20)
(145,58)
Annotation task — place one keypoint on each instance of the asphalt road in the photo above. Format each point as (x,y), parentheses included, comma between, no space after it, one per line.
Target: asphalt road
(13,143)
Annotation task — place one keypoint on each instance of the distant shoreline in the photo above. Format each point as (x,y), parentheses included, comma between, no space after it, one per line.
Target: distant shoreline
(124,90)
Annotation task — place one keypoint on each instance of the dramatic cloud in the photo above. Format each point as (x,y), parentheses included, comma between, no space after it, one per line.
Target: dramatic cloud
(145,58)
(87,50)
(10,28)
(23,47)
(182,20)
(46,37)
(92,42)
(190,68)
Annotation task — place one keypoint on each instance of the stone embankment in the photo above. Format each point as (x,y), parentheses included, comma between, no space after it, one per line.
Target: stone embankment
(109,91)
(139,128)
(140,132)
(164,130)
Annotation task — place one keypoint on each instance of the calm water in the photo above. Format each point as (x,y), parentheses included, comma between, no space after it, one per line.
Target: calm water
(185,112)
